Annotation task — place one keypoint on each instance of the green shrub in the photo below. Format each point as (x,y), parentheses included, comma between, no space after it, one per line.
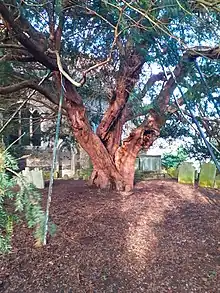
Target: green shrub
(170,160)
(46,175)
(173,172)
(18,201)
(85,173)
(17,151)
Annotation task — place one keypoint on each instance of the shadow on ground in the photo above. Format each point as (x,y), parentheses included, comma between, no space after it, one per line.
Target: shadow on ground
(164,237)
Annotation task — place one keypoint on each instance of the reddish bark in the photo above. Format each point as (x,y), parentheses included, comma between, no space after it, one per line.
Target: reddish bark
(113,138)
(110,171)
(105,173)
(141,138)
(114,165)
(110,128)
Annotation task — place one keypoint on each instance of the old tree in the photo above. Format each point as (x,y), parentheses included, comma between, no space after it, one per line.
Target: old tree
(107,48)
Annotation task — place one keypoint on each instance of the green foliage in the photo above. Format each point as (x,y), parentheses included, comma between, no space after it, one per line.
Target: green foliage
(58,6)
(173,172)
(46,175)
(198,150)
(175,129)
(5,72)
(84,173)
(17,202)
(170,160)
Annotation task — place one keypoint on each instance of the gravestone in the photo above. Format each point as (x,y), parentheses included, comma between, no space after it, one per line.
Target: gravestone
(207,175)
(66,161)
(217,181)
(27,175)
(37,177)
(186,174)
(34,177)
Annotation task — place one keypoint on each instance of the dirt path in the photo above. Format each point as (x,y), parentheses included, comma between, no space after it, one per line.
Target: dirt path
(164,237)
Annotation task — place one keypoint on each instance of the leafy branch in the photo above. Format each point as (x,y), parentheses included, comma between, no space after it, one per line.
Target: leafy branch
(17,199)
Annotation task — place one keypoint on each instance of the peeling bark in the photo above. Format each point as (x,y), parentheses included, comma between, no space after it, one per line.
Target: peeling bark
(114,165)
(105,173)
(110,128)
(113,138)
(141,138)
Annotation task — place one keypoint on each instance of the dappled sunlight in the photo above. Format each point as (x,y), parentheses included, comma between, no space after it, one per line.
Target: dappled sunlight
(143,219)
(141,241)
(146,217)
(162,238)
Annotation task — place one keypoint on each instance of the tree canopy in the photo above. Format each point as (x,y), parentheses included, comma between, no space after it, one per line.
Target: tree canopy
(121,63)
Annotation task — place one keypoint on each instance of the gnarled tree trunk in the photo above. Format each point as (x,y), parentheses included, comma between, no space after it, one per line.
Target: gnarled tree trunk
(110,169)
(105,173)
(113,164)
(113,160)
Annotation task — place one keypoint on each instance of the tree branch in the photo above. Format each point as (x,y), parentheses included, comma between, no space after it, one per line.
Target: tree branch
(12,46)
(163,98)
(19,58)
(25,40)
(128,74)
(141,137)
(204,51)
(28,84)
(150,82)
(171,109)
(148,131)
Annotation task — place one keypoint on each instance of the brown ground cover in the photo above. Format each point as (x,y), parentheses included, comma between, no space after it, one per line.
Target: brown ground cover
(165,237)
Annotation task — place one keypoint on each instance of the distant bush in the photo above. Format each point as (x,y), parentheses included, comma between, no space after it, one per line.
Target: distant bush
(170,160)
(173,172)
(85,173)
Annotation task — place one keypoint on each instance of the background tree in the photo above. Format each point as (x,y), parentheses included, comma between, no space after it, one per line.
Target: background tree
(116,41)
(203,98)
(171,160)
